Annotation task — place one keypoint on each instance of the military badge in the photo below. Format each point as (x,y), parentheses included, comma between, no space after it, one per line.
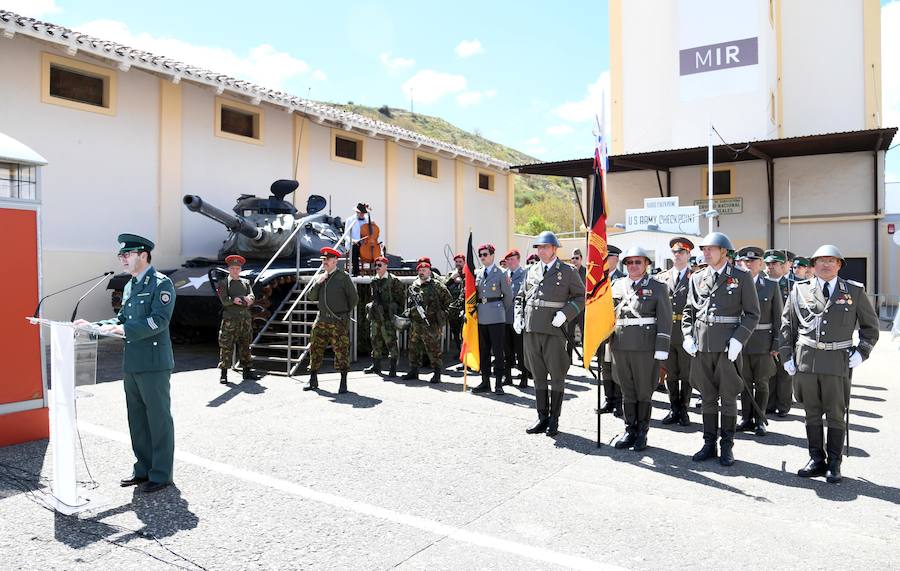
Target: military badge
(165,297)
(646,292)
(559,276)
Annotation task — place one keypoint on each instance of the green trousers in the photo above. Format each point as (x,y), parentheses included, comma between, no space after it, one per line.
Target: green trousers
(150,424)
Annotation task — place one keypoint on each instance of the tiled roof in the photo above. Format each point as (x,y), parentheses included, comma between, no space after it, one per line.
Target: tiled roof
(126,57)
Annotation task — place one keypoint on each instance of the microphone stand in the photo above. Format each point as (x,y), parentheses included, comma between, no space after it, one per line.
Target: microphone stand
(95,286)
(37,309)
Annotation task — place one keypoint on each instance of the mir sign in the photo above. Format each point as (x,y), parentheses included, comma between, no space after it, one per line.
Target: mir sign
(713,57)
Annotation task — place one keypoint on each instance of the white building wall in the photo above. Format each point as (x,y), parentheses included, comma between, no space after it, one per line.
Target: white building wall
(485,211)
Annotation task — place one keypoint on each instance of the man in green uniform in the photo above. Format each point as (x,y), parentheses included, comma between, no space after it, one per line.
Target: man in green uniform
(336,296)
(780,395)
(426,305)
(552,295)
(455,282)
(720,315)
(611,389)
(147,304)
(817,349)
(802,269)
(639,342)
(759,353)
(387,298)
(236,295)
(678,365)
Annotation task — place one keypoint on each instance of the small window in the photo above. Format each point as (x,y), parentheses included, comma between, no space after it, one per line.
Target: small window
(78,85)
(722,182)
(485,181)
(239,121)
(18,181)
(426,166)
(347,148)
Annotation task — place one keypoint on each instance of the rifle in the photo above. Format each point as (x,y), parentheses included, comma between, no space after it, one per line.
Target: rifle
(415,297)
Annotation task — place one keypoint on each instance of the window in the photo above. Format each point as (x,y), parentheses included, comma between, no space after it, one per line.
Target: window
(78,85)
(722,182)
(239,121)
(485,181)
(18,181)
(347,148)
(426,166)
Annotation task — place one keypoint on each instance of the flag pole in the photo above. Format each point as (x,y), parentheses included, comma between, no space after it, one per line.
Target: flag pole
(709,175)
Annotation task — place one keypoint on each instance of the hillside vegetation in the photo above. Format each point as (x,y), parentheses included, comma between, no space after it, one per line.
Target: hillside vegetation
(542,202)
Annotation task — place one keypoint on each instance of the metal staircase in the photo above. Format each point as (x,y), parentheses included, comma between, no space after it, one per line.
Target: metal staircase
(282,345)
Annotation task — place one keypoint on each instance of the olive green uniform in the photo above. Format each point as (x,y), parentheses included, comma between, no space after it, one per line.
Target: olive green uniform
(780,396)
(678,365)
(147,305)
(387,298)
(758,363)
(455,282)
(336,299)
(427,303)
(236,328)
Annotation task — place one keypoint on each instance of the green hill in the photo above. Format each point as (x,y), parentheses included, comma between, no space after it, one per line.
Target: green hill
(542,202)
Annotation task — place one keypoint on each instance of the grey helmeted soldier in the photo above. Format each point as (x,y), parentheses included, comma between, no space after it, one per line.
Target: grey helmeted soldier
(817,349)
(553,294)
(640,341)
(720,315)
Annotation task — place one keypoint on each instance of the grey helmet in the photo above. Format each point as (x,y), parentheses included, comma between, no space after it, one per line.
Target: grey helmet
(636,252)
(546,238)
(716,239)
(827,250)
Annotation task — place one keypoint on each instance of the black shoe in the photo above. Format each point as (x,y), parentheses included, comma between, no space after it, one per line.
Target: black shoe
(617,410)
(726,444)
(249,375)
(760,429)
(507,377)
(814,468)
(542,404)
(683,418)
(133,481)
(815,438)
(745,425)
(607,407)
(781,413)
(627,440)
(644,410)
(342,388)
(393,372)
(484,387)
(223,378)
(672,417)
(375,367)
(661,388)
(313,383)
(640,442)
(498,388)
(710,428)
(835,448)
(539,426)
(833,474)
(149,487)
(436,377)
(411,375)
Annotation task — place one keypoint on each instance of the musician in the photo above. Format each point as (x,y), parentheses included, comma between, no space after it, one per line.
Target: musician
(356,231)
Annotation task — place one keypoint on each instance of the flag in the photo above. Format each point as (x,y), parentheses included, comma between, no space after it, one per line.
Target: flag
(599,316)
(468,354)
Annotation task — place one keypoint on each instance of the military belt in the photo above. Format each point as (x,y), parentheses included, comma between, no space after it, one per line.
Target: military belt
(763,327)
(625,322)
(676,317)
(543,303)
(833,346)
(489,299)
(721,319)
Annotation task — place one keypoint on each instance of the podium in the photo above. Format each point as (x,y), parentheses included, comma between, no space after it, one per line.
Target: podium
(73,362)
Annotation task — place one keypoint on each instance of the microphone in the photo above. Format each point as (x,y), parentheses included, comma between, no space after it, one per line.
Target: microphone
(103,279)
(38,308)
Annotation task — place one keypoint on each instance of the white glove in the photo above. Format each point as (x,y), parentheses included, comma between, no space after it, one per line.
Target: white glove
(690,346)
(519,325)
(789,367)
(661,355)
(855,359)
(559,319)
(734,348)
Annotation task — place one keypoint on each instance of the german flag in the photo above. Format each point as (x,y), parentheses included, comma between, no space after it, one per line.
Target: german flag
(469,355)
(599,316)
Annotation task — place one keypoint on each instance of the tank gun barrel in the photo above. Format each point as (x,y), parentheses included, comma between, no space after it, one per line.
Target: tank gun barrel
(234,223)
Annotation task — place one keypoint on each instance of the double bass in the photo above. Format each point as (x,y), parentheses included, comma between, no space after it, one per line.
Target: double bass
(369,246)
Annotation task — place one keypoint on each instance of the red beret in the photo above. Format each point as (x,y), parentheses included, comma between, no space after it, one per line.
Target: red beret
(329,252)
(487,246)
(512,253)
(423,265)
(381,259)
(425,259)
(235,260)
(459,256)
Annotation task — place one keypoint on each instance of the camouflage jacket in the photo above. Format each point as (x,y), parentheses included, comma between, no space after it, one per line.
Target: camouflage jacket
(387,297)
(428,301)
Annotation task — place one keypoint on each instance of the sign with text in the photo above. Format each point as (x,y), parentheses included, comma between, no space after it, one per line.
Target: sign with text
(661,202)
(723,205)
(678,219)
(712,57)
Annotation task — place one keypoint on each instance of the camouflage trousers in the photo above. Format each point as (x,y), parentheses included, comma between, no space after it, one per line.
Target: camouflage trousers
(383,337)
(425,339)
(235,332)
(325,333)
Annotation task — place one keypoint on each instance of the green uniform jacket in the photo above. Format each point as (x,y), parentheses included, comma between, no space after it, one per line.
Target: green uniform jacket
(432,296)
(650,300)
(387,298)
(228,290)
(337,297)
(732,297)
(678,290)
(767,335)
(561,289)
(809,315)
(146,311)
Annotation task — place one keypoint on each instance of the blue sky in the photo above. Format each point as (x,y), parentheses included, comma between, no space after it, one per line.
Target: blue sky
(528,74)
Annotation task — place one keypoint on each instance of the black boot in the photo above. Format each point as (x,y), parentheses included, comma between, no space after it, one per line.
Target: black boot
(683,418)
(523,379)
(815,437)
(628,439)
(248,374)
(436,377)
(375,367)
(498,385)
(412,374)
(342,388)
(835,449)
(643,425)
(746,424)
(507,379)
(313,383)
(556,398)
(393,372)
(710,428)
(609,392)
(485,385)
(223,377)
(543,409)
(674,403)
(726,456)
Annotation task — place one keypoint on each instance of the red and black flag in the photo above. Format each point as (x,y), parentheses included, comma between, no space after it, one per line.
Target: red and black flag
(469,355)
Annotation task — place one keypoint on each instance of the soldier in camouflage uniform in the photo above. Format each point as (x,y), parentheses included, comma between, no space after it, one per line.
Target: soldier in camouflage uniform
(236,329)
(336,296)
(426,303)
(455,282)
(387,297)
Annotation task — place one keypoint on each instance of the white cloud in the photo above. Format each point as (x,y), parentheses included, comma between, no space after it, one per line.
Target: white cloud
(467,98)
(263,64)
(533,141)
(319,75)
(595,100)
(395,64)
(32,8)
(428,86)
(468,48)
(558,130)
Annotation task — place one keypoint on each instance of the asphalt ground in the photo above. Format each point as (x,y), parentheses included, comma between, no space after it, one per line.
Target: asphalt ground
(404,474)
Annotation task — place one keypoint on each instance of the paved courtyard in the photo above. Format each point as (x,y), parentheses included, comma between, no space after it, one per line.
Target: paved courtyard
(401,474)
